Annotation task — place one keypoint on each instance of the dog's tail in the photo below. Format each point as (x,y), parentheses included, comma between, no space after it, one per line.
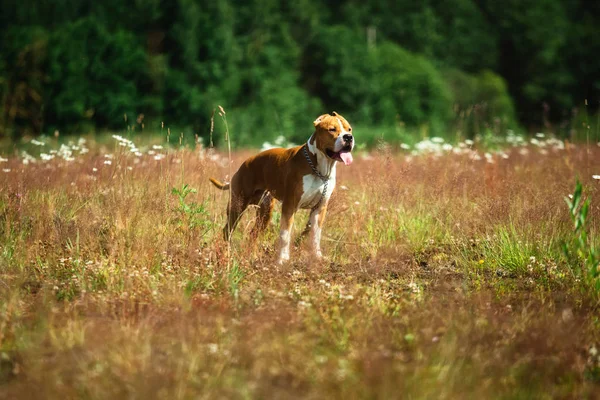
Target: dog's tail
(222,186)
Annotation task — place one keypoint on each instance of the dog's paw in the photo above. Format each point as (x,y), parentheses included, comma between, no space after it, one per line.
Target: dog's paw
(282,259)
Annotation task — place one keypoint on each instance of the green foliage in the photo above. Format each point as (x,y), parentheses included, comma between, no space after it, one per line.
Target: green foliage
(534,36)
(21,80)
(469,42)
(480,102)
(271,95)
(191,215)
(583,256)
(204,62)
(416,90)
(83,65)
(452,33)
(94,75)
(386,85)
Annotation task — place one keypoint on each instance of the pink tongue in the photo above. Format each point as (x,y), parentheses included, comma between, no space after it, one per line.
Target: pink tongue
(346,157)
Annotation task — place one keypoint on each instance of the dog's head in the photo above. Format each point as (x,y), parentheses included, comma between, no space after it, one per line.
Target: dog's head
(333,137)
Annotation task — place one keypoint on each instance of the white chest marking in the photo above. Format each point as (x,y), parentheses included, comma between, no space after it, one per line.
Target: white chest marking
(312,190)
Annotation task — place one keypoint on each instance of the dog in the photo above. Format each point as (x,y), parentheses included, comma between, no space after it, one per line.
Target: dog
(301,177)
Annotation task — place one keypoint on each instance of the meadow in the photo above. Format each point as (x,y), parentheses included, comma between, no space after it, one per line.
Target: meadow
(450,271)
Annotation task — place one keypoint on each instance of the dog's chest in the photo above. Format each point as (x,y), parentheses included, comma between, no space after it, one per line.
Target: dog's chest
(312,190)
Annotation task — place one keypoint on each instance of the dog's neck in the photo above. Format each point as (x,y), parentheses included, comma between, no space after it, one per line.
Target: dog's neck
(325,165)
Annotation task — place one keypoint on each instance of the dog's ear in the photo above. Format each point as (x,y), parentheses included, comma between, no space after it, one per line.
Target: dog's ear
(335,114)
(318,120)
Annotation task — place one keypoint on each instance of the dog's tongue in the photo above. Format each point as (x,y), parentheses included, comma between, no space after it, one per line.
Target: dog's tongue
(346,158)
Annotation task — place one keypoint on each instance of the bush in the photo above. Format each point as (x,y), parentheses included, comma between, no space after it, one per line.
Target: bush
(452,33)
(480,102)
(253,75)
(23,54)
(280,108)
(382,84)
(94,74)
(203,62)
(413,89)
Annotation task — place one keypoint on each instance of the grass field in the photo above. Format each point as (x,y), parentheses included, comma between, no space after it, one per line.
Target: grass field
(445,277)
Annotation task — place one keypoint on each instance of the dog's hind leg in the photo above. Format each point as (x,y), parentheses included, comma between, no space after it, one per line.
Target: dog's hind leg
(313,229)
(265,203)
(235,208)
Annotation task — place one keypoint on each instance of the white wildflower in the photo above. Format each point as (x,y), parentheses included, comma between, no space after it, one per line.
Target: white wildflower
(27,158)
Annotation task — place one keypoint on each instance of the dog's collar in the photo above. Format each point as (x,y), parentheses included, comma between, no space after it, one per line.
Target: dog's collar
(313,167)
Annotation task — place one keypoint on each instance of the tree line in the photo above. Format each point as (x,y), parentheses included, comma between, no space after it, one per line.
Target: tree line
(83,65)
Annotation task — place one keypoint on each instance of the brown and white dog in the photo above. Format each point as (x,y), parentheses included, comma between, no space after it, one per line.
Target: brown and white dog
(300,177)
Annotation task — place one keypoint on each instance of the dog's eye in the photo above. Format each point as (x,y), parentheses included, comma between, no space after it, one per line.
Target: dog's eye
(350,129)
(332,129)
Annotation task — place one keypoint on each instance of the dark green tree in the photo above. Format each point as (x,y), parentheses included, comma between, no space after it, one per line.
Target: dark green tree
(93,75)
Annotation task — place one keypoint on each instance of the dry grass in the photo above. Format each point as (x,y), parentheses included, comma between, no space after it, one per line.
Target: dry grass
(444,278)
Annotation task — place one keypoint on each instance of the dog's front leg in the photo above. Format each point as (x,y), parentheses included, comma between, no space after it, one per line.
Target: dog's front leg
(285,232)
(315,232)
(316,219)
